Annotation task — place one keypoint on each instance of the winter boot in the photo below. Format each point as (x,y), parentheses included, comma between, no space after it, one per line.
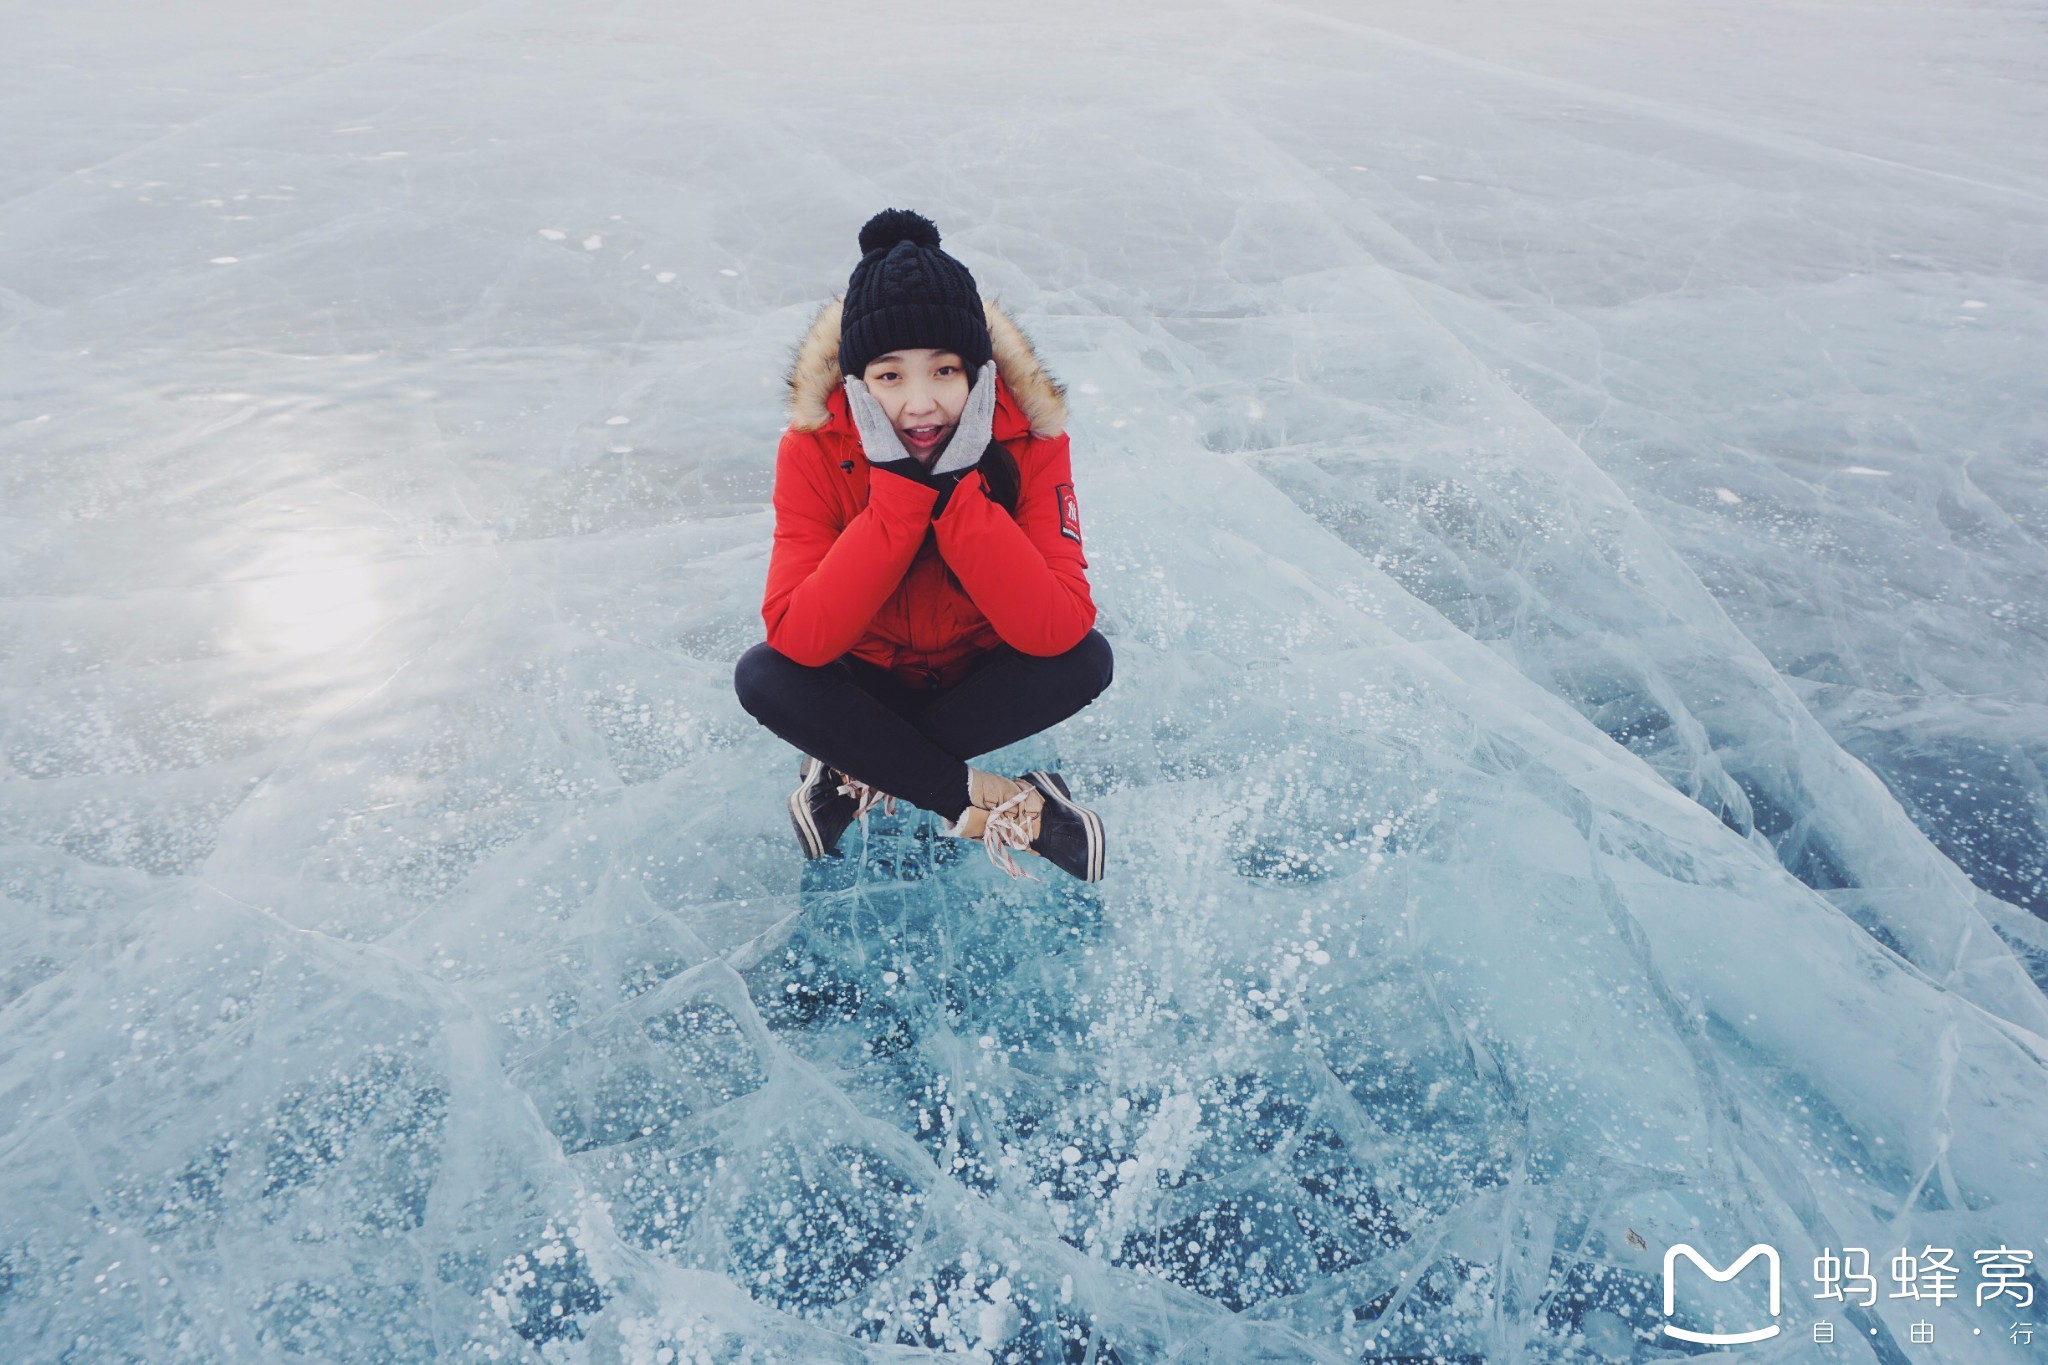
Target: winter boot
(825,802)
(1036,814)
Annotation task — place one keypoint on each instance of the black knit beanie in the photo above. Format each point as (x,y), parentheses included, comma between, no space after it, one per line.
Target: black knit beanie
(906,293)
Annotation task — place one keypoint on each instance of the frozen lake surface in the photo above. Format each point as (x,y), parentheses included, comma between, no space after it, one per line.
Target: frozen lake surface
(1568,490)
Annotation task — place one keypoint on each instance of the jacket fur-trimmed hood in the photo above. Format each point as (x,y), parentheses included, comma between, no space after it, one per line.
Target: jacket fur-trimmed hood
(815,375)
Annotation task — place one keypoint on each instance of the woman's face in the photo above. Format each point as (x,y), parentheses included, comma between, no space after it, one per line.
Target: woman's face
(922,392)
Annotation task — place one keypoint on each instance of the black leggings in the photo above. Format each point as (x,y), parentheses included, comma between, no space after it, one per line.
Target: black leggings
(914,743)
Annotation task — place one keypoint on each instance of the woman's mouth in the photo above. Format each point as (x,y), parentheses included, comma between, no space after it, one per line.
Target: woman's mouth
(922,439)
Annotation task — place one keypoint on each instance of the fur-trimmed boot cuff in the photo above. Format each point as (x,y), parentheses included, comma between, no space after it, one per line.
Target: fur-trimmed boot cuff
(986,791)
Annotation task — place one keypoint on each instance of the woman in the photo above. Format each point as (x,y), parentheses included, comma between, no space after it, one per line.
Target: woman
(927,595)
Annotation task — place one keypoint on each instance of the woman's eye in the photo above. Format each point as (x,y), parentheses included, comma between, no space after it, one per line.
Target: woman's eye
(945,370)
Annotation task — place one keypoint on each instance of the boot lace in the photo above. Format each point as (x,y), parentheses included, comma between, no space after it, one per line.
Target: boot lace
(866,797)
(1008,827)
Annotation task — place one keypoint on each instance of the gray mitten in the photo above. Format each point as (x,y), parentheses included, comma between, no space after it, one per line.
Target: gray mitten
(977,422)
(878,439)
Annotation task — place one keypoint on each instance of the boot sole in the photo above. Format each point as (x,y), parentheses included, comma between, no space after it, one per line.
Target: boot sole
(1055,786)
(807,833)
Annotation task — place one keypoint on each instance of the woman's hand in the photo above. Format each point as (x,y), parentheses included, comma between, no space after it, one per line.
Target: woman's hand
(971,437)
(878,439)
(972,433)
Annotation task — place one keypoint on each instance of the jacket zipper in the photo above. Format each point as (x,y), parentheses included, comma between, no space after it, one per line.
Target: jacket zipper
(931,677)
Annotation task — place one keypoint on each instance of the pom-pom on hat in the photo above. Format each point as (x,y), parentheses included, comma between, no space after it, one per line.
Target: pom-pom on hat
(906,293)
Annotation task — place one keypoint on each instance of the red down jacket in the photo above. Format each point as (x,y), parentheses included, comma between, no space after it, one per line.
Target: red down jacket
(860,567)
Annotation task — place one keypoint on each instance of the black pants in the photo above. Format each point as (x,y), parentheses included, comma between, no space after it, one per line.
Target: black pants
(910,742)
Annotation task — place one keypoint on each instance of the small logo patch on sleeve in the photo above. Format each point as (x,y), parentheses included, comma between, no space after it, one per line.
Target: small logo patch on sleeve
(1070,513)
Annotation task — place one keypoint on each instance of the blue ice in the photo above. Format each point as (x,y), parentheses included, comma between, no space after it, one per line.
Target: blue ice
(1564,486)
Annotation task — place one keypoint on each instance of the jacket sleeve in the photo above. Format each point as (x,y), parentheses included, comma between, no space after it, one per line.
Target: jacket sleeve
(1028,576)
(825,581)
